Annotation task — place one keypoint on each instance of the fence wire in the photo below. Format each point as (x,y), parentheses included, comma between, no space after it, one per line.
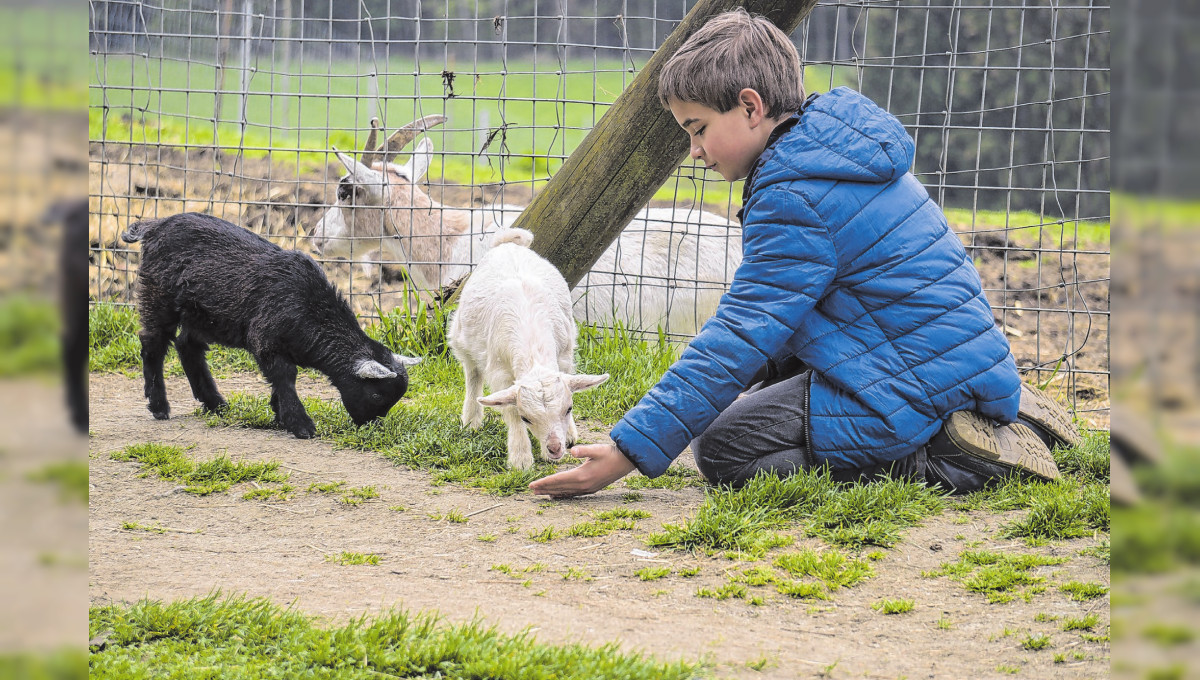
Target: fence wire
(233,107)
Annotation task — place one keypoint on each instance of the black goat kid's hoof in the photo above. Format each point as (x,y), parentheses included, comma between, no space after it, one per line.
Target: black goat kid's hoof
(304,431)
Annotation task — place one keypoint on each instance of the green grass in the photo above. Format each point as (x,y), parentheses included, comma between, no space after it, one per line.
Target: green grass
(634,364)
(605,522)
(201,478)
(832,568)
(1086,623)
(300,116)
(29,330)
(675,478)
(652,573)
(1169,635)
(1036,642)
(63,664)
(1076,505)
(71,478)
(114,346)
(239,638)
(40,68)
(353,559)
(748,520)
(1026,229)
(152,529)
(897,606)
(1082,592)
(1001,577)
(423,431)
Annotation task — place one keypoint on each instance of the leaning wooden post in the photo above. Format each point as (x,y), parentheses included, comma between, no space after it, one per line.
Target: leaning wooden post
(632,150)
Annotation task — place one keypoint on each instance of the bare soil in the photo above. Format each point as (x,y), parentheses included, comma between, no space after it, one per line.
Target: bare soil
(278,550)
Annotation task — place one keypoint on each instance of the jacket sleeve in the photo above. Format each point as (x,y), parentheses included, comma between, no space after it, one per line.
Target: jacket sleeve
(788,263)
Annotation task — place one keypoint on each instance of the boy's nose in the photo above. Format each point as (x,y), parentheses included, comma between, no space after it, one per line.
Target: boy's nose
(695,152)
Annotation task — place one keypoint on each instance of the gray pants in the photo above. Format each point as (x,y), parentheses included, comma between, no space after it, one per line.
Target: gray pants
(764,430)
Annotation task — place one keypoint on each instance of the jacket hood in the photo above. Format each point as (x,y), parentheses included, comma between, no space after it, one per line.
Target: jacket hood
(841,135)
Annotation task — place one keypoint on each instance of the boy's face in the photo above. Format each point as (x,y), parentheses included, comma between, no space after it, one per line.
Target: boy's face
(727,142)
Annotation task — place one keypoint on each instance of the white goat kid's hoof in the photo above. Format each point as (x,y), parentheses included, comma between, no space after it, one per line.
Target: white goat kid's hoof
(520,460)
(472,415)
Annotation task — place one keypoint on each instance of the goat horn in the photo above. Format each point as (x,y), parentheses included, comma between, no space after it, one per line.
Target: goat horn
(402,137)
(369,149)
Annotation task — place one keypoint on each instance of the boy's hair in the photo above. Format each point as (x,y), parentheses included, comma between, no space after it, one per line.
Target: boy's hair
(733,51)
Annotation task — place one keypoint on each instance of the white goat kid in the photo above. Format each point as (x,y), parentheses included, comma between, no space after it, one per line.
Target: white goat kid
(668,268)
(513,330)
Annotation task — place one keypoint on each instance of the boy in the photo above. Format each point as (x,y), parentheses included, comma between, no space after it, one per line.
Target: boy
(856,318)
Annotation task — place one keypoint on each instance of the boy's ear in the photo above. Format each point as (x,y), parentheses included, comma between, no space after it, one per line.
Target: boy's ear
(752,105)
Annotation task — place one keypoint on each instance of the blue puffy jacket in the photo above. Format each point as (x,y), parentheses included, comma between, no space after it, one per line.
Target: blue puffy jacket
(851,267)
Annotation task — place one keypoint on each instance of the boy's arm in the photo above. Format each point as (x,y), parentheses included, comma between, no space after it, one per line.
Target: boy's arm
(788,264)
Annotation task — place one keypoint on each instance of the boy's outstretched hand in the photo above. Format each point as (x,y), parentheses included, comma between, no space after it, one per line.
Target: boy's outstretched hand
(605,464)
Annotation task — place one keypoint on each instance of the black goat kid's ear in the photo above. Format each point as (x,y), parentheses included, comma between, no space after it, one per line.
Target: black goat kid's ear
(369,369)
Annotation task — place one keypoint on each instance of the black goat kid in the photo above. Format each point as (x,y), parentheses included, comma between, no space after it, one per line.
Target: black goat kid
(221,284)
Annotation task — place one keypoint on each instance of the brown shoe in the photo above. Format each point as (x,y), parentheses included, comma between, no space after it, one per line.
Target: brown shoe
(1040,409)
(1010,448)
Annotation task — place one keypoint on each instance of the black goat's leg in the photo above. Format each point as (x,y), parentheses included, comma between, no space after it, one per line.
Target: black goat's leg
(281,373)
(192,357)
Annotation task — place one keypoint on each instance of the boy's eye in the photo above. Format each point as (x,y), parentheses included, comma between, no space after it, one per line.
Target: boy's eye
(699,132)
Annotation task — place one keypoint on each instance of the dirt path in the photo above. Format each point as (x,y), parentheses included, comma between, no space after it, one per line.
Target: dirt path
(278,550)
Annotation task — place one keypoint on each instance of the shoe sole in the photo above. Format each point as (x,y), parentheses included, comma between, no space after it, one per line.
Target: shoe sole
(1014,446)
(1039,408)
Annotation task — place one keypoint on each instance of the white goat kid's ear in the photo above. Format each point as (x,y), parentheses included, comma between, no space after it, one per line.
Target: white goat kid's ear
(369,369)
(578,383)
(506,397)
(406,361)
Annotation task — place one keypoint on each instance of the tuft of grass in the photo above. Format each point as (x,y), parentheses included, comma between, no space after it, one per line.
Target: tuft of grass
(897,606)
(675,478)
(688,572)
(29,336)
(577,574)
(282,492)
(357,495)
(745,521)
(63,664)
(1036,642)
(608,521)
(652,573)
(831,567)
(203,478)
(543,535)
(256,638)
(1169,635)
(325,487)
(1086,623)
(350,559)
(1081,592)
(134,526)
(999,576)
(725,592)
(633,363)
(71,478)
(944,623)
(804,590)
(114,346)
(874,513)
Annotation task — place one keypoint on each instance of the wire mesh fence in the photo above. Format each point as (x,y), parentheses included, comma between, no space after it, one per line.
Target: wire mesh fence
(234,107)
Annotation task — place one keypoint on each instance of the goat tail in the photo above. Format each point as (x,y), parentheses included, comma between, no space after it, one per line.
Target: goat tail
(136,231)
(520,237)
